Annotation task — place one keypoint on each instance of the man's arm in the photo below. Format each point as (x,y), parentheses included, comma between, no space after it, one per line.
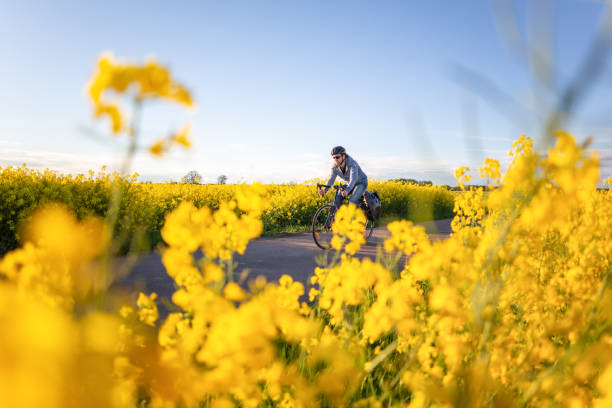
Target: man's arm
(330,182)
(352,178)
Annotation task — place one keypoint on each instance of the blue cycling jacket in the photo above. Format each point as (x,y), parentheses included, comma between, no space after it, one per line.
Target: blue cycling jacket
(352,174)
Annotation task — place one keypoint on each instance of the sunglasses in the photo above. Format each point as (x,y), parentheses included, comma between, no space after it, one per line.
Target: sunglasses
(336,157)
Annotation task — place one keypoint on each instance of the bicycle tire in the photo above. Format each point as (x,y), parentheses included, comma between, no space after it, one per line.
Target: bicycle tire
(320,233)
(369,229)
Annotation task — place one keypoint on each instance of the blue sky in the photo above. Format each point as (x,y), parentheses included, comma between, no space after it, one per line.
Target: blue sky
(278,83)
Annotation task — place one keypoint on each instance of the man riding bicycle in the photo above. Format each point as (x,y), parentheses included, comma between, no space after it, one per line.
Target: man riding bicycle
(347,169)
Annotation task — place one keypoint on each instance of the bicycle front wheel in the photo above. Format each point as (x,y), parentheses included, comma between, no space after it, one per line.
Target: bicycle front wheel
(321,226)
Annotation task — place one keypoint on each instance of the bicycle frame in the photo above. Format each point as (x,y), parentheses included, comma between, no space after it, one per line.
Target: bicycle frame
(326,225)
(330,217)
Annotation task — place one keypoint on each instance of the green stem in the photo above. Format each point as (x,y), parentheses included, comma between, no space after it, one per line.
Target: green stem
(115,201)
(370,365)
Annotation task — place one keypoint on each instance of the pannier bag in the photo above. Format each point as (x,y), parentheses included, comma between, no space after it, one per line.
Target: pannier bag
(372,201)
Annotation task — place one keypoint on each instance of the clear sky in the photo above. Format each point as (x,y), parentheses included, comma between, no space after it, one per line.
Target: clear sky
(278,83)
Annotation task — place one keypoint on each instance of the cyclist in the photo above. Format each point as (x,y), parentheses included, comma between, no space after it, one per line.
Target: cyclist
(347,169)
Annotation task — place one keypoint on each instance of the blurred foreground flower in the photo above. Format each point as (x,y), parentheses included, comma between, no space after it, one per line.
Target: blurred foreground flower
(349,224)
(144,82)
(54,263)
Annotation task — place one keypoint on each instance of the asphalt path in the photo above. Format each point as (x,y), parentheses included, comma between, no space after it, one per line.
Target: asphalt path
(293,254)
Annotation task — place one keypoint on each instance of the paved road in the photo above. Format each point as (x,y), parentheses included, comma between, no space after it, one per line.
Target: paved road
(291,254)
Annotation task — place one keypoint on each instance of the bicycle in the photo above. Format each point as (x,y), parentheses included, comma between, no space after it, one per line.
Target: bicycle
(324,218)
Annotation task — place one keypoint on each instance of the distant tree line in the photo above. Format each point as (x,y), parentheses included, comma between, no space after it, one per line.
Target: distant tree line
(193,177)
(429,183)
(413,181)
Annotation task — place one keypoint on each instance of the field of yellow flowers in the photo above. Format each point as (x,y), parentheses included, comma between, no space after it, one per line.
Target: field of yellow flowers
(514,309)
(143,206)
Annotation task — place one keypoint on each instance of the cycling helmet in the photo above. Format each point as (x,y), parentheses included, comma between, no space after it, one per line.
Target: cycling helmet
(338,150)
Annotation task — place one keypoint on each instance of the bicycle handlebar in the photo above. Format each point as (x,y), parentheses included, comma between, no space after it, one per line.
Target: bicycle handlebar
(341,186)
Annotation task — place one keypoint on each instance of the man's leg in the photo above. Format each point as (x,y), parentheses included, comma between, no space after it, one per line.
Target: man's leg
(338,199)
(357,193)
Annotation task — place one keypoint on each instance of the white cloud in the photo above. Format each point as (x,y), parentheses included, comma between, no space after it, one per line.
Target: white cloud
(61,162)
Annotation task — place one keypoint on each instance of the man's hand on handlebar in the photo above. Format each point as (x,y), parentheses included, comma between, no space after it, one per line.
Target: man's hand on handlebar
(341,187)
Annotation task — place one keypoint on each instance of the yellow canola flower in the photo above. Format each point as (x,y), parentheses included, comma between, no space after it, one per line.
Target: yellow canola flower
(180,267)
(212,272)
(146,81)
(604,384)
(183,334)
(53,227)
(341,374)
(395,306)
(348,284)
(523,145)
(101,333)
(238,356)
(54,265)
(67,361)
(569,166)
(406,237)
(349,222)
(186,226)
(151,80)
(252,199)
(112,111)
(491,169)
(462,176)
(444,299)
(234,292)
(229,232)
(182,137)
(237,346)
(289,293)
(469,211)
(223,402)
(159,148)
(147,308)
(313,293)
(35,348)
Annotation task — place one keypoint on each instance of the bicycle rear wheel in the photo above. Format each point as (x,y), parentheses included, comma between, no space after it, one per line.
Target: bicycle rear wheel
(369,228)
(321,226)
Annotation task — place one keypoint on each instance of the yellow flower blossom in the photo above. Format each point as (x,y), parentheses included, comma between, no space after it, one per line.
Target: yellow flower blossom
(146,81)
(491,169)
(182,137)
(349,222)
(405,237)
(54,262)
(462,176)
(234,292)
(147,308)
(159,148)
